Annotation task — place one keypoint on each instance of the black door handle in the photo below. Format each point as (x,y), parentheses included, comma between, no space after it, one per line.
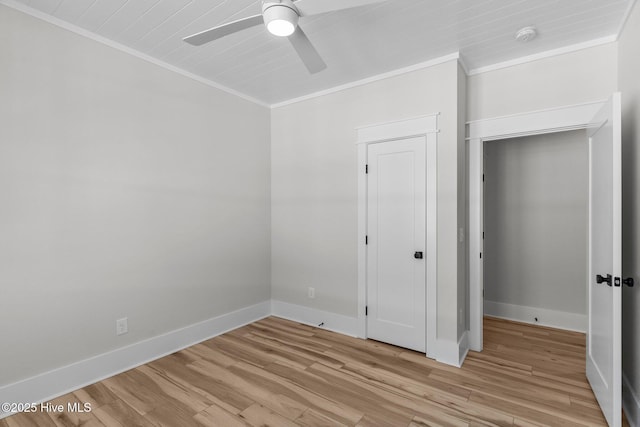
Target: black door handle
(600,279)
(628,281)
(417,255)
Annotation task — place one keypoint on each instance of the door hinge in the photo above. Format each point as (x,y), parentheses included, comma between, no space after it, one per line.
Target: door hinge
(483,235)
(483,293)
(366,168)
(482,177)
(366,240)
(481,255)
(366,310)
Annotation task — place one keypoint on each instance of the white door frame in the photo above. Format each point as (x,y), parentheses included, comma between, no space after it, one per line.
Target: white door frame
(560,119)
(427,127)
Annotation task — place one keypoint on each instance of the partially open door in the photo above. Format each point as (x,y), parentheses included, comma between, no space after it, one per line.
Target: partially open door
(604,294)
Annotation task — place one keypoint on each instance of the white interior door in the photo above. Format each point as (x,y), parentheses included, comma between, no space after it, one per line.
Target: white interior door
(604,334)
(396,243)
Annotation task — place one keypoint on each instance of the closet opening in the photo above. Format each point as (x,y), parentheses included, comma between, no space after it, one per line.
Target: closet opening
(535,229)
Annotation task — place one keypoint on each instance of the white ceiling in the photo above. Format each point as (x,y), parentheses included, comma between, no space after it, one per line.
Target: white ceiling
(355,43)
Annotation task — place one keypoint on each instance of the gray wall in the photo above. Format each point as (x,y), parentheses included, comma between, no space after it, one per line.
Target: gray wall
(315,195)
(125,190)
(535,221)
(629,81)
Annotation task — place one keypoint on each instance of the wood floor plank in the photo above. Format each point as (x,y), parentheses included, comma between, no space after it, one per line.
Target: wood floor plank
(311,418)
(356,395)
(437,420)
(325,405)
(276,372)
(96,394)
(281,404)
(106,419)
(231,399)
(531,412)
(216,416)
(292,348)
(261,416)
(211,354)
(125,414)
(196,402)
(435,405)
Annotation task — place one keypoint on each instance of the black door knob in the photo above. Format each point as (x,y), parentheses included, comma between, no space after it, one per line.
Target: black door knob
(628,281)
(417,255)
(601,279)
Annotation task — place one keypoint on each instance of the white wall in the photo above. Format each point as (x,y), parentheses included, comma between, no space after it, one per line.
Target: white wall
(314,188)
(629,83)
(126,190)
(535,223)
(583,76)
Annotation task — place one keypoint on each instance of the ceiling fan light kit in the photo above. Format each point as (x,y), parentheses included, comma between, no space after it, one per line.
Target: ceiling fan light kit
(281,18)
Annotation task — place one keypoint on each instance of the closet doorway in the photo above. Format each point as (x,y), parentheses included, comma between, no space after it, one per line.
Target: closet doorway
(602,123)
(536,212)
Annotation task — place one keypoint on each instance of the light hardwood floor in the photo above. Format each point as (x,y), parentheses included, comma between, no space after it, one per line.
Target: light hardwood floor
(280,373)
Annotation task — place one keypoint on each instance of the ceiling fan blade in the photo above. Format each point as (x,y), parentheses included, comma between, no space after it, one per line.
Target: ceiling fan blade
(224,30)
(306,51)
(313,7)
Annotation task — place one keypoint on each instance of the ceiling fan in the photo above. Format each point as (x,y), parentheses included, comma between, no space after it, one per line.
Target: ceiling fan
(281,19)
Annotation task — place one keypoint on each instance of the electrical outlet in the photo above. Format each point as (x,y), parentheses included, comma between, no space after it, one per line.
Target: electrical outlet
(122,326)
(311,293)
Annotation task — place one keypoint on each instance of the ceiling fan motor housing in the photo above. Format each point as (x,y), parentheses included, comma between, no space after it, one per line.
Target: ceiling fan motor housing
(277,14)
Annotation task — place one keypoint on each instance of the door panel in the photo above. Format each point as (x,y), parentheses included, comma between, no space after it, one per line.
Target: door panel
(396,231)
(604,346)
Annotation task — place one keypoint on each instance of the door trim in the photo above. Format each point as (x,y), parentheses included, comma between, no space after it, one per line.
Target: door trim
(552,120)
(427,127)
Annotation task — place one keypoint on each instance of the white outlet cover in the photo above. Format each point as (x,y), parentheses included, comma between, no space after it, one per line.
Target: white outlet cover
(122,326)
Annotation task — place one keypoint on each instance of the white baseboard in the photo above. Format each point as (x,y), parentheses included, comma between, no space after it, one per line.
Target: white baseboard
(49,385)
(310,316)
(463,347)
(630,402)
(451,352)
(525,314)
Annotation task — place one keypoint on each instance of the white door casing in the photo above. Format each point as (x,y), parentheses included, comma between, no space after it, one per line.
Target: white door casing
(604,333)
(396,217)
(424,127)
